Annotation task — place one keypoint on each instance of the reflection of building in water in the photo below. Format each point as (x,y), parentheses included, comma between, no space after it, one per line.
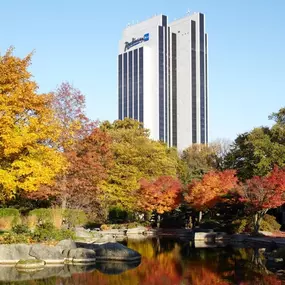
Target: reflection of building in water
(162,78)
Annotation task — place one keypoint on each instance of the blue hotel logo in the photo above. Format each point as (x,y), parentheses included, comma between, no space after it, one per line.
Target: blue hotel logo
(135,41)
(146,37)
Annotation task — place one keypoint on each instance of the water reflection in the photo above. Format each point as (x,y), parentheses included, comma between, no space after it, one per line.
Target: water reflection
(171,262)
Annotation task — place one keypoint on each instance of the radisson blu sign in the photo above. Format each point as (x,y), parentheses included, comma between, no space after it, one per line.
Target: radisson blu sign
(135,41)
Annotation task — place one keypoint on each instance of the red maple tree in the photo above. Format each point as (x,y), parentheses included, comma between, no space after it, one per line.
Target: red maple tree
(206,193)
(161,195)
(79,187)
(263,193)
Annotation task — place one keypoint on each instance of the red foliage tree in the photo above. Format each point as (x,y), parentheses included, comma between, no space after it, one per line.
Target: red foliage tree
(69,106)
(75,131)
(88,166)
(263,193)
(161,195)
(206,193)
(88,163)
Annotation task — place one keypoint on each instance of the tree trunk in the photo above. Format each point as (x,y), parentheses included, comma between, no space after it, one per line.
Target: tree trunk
(257,220)
(200,216)
(63,202)
(64,193)
(190,223)
(256,223)
(158,221)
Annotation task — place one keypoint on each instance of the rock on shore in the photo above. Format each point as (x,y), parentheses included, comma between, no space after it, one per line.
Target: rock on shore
(66,251)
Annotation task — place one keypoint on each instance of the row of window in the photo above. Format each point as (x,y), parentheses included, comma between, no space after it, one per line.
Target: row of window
(130,87)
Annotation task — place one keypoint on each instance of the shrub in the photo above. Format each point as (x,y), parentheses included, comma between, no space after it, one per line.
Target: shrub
(31,221)
(75,217)
(104,227)
(9,238)
(72,217)
(118,216)
(240,225)
(21,229)
(47,232)
(9,212)
(57,217)
(43,216)
(9,217)
(268,223)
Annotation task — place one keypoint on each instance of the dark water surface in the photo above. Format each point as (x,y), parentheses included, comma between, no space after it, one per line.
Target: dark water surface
(166,262)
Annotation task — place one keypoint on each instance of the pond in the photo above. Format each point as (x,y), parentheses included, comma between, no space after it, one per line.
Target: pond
(168,262)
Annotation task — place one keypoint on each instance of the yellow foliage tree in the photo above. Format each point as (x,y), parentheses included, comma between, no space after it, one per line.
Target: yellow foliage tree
(136,156)
(28,130)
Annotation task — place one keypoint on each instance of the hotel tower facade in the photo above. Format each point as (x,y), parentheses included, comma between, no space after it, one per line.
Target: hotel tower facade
(163,78)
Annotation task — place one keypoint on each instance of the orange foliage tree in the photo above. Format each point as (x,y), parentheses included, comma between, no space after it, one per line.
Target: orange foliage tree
(74,128)
(206,193)
(161,195)
(88,162)
(263,193)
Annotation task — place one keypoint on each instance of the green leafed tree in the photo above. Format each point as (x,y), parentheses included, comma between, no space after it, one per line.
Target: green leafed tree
(135,156)
(256,152)
(199,160)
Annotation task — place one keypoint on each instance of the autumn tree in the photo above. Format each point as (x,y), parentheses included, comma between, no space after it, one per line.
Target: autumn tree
(160,195)
(263,193)
(29,130)
(206,193)
(136,156)
(200,159)
(89,161)
(68,104)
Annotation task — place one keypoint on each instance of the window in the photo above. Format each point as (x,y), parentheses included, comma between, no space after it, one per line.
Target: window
(141,107)
(125,85)
(193,68)
(130,84)
(120,87)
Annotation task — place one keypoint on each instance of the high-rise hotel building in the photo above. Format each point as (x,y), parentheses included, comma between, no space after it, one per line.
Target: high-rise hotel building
(162,78)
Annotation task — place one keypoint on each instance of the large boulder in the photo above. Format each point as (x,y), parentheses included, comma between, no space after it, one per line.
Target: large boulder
(12,253)
(81,255)
(116,251)
(67,244)
(93,246)
(80,232)
(239,237)
(104,239)
(50,254)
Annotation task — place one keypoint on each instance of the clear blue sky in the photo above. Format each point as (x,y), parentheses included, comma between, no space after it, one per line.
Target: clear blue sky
(77,41)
